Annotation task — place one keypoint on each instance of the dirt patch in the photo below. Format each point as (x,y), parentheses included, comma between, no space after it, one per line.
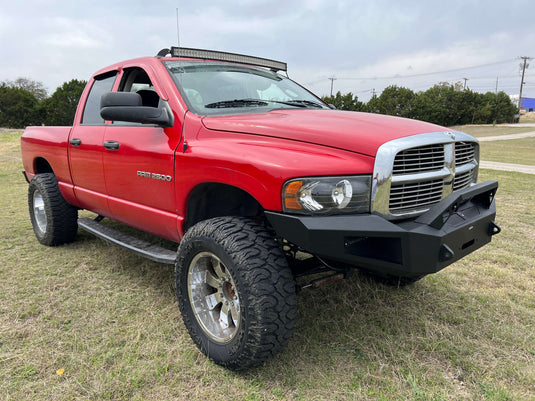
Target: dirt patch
(7,130)
(527,117)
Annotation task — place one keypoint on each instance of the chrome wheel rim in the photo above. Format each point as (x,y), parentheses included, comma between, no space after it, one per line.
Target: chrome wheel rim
(213,297)
(39,211)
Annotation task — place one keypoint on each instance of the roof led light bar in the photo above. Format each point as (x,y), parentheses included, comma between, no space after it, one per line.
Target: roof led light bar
(231,57)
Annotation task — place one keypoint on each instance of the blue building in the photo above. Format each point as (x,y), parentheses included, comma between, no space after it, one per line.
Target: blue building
(528,104)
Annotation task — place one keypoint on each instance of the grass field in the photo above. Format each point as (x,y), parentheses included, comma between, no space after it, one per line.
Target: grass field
(89,321)
(480,131)
(518,151)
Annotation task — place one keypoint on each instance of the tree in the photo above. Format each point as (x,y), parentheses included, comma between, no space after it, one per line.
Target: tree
(18,107)
(374,104)
(36,88)
(60,108)
(344,102)
(504,109)
(395,101)
(469,107)
(438,105)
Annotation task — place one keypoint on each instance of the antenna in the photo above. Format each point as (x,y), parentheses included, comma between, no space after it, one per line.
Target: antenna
(184,143)
(177,29)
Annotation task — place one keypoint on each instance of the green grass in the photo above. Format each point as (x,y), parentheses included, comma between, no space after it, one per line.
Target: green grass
(489,130)
(110,320)
(518,151)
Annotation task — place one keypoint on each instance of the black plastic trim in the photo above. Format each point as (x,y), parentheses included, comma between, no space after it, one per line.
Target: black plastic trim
(25,176)
(111,145)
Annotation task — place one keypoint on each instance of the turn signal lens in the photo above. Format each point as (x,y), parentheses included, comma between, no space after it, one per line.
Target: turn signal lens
(290,195)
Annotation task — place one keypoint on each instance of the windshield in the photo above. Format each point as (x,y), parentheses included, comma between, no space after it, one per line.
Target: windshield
(222,88)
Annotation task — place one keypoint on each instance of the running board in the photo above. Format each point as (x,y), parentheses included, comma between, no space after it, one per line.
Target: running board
(143,248)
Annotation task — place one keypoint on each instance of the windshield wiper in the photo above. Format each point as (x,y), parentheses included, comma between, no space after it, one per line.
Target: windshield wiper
(235,103)
(259,102)
(299,103)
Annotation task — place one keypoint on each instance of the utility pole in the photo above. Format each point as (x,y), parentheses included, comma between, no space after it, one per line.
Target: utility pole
(524,66)
(332,79)
(465,79)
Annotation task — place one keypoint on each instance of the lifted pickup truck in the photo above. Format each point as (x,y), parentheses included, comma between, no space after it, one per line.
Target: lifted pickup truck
(259,181)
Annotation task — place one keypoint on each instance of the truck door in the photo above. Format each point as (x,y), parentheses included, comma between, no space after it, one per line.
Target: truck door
(139,165)
(86,149)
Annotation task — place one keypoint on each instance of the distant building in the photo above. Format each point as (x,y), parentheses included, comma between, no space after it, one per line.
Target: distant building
(527,104)
(514,99)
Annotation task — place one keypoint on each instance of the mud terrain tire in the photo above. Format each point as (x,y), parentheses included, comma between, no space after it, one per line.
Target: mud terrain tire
(235,291)
(54,221)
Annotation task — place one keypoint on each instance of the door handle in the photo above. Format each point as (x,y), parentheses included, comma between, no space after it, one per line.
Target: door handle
(111,145)
(75,142)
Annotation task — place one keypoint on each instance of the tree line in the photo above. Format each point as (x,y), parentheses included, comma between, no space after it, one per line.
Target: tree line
(25,102)
(442,104)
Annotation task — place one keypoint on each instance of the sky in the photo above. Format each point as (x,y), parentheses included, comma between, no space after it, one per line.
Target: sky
(364,45)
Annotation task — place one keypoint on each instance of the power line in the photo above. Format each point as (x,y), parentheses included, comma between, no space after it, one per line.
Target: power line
(509,75)
(332,79)
(429,73)
(480,83)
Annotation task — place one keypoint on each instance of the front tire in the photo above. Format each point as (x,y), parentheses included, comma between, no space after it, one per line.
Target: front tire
(235,291)
(54,221)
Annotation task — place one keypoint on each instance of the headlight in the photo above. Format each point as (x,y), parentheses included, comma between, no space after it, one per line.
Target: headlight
(327,195)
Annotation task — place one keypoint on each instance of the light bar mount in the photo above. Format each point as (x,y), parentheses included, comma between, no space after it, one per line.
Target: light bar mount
(224,56)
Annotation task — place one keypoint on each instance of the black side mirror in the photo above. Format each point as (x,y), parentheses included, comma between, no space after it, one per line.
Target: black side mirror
(127,106)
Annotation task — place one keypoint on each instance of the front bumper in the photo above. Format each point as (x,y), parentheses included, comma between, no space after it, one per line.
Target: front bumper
(450,230)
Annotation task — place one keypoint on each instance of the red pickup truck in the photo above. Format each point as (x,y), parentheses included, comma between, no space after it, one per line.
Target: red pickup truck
(260,182)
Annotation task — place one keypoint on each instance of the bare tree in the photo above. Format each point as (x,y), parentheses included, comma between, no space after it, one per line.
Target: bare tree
(36,88)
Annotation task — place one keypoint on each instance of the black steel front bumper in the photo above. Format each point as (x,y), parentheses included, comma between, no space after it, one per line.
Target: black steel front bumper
(450,230)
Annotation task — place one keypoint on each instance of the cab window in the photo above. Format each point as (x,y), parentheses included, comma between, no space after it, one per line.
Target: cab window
(136,80)
(102,84)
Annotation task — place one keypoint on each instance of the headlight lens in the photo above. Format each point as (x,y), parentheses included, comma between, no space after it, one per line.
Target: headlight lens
(327,195)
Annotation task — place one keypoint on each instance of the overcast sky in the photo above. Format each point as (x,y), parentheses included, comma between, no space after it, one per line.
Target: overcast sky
(365,45)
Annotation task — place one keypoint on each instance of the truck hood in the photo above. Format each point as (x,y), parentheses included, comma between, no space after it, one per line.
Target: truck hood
(357,132)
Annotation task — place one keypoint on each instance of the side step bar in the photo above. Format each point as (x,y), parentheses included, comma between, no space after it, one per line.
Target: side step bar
(143,248)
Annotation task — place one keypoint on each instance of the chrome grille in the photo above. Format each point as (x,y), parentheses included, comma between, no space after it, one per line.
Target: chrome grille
(463,180)
(413,173)
(415,195)
(420,159)
(464,152)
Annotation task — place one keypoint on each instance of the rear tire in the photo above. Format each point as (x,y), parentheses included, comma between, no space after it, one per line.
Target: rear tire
(235,291)
(54,221)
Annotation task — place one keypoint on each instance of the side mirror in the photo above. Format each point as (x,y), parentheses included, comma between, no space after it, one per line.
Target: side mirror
(127,106)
